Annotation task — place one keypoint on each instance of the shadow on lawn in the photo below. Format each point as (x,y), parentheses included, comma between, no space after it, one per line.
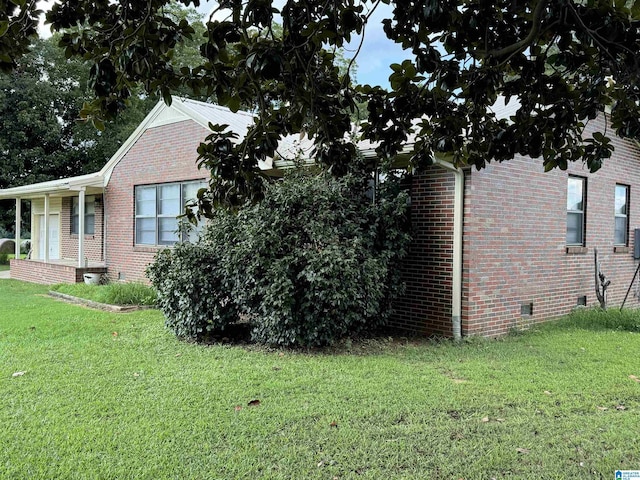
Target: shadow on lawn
(378,341)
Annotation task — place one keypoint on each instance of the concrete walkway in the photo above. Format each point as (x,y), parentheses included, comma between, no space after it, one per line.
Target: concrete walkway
(4,274)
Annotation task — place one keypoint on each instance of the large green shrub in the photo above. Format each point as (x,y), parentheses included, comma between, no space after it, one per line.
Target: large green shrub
(314,261)
(191,290)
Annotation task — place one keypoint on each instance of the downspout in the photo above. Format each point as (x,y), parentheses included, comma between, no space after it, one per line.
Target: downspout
(104,229)
(458,211)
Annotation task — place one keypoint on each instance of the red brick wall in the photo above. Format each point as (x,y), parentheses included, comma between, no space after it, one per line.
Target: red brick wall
(48,273)
(161,155)
(515,240)
(427,272)
(514,246)
(93,244)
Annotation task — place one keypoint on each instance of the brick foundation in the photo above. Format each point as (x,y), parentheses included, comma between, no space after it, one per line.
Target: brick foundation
(49,273)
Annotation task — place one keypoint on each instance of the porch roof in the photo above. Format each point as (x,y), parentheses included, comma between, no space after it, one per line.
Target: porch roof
(92,183)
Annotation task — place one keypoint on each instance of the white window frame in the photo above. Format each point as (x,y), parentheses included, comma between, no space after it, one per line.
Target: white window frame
(184,236)
(572,212)
(89,212)
(624,215)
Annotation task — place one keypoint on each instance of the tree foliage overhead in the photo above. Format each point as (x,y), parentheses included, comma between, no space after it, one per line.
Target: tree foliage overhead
(563,61)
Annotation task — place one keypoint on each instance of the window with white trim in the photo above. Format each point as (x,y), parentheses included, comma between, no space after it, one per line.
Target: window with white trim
(576,207)
(621,232)
(89,215)
(157,208)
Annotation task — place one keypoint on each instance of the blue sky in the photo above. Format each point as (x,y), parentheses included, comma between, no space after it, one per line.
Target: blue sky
(377,51)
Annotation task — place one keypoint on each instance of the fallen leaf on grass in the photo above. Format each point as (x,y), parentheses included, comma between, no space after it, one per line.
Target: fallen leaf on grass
(18,374)
(334,424)
(547,392)
(238,408)
(136,374)
(485,419)
(114,335)
(620,407)
(178,354)
(458,381)
(634,378)
(523,451)
(499,419)
(602,409)
(254,403)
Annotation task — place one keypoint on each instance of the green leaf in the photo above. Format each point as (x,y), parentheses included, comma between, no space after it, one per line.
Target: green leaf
(234,104)
(98,124)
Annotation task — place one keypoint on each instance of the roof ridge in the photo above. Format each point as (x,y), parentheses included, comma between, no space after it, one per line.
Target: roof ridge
(215,106)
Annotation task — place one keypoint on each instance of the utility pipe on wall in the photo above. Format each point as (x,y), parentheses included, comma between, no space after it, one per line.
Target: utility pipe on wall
(458,212)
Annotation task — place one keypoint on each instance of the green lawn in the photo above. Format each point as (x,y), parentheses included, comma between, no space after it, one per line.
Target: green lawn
(6,267)
(115,396)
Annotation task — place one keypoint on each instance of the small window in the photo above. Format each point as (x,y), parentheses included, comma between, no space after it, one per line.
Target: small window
(621,235)
(89,215)
(157,208)
(576,206)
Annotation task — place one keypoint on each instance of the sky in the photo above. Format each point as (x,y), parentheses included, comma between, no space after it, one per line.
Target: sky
(375,56)
(377,51)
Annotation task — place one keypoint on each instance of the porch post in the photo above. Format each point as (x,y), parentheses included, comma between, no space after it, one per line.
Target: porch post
(45,240)
(81,227)
(18,221)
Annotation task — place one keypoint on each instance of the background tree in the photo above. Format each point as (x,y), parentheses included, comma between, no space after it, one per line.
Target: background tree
(42,135)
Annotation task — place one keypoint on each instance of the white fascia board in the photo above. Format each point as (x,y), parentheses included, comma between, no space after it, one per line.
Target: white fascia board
(53,186)
(35,189)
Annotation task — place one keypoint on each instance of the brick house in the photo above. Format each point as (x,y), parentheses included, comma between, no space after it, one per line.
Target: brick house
(493,250)
(128,209)
(511,245)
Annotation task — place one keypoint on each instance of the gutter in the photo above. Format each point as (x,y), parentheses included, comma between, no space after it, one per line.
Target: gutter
(458,211)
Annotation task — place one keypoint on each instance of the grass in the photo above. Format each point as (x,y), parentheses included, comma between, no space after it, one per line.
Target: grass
(112,293)
(116,396)
(5,266)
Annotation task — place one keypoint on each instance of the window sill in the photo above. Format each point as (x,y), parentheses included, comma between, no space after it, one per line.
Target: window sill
(150,248)
(147,248)
(621,249)
(576,250)
(87,236)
